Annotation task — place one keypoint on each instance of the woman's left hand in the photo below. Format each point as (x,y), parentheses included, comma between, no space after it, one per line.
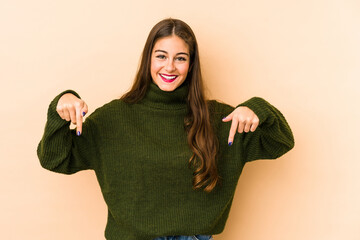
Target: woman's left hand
(243,120)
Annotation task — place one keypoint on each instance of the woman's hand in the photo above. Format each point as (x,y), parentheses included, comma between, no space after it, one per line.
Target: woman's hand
(243,120)
(72,108)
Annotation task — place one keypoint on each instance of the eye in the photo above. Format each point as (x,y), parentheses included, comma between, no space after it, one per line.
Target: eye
(182,59)
(160,56)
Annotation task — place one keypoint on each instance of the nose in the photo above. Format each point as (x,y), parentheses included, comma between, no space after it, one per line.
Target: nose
(170,66)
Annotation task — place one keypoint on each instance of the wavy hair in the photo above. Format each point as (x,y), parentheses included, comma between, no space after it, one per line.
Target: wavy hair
(200,134)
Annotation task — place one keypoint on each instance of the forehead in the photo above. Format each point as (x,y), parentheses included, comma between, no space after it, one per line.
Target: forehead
(171,44)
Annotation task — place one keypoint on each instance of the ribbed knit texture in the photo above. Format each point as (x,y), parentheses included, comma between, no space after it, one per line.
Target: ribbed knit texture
(140,155)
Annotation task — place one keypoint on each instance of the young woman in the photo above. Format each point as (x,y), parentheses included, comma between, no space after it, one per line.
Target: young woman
(166,158)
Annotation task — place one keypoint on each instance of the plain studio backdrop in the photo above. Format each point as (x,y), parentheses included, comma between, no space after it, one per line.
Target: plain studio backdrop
(301,56)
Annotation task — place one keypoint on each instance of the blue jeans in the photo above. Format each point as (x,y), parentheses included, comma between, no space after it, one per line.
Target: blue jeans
(195,237)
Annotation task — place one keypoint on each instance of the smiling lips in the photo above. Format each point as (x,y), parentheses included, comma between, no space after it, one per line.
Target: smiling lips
(168,78)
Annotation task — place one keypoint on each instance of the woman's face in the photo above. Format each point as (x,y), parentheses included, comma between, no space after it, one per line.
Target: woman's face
(170,61)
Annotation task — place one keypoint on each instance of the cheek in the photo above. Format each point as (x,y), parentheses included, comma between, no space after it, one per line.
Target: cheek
(183,69)
(155,66)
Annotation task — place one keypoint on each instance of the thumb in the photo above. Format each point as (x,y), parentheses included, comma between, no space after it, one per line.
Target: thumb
(84,110)
(228,118)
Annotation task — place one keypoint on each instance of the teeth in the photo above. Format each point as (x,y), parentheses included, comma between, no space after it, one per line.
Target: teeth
(168,77)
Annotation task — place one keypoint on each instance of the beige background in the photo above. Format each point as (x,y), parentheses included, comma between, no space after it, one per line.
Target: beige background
(302,56)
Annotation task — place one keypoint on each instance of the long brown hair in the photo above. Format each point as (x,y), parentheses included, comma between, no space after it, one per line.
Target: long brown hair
(200,135)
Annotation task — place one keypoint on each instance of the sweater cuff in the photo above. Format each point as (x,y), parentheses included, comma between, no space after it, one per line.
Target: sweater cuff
(258,106)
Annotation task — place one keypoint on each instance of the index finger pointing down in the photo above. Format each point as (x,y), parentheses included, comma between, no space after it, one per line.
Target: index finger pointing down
(79,121)
(232,132)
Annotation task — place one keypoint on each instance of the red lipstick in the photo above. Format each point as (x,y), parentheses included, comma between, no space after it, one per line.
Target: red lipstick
(167,78)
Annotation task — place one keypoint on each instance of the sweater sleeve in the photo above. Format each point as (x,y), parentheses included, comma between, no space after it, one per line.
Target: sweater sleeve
(272,138)
(60,150)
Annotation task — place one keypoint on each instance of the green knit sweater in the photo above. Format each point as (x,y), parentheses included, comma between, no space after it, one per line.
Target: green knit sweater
(140,154)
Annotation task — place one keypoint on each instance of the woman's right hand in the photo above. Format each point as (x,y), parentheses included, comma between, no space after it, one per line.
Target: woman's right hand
(72,108)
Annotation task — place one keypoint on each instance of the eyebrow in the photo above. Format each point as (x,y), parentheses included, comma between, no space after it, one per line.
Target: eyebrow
(176,54)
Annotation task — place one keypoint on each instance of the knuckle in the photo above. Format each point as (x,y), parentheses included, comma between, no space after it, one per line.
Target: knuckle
(66,107)
(241,119)
(59,108)
(71,107)
(79,103)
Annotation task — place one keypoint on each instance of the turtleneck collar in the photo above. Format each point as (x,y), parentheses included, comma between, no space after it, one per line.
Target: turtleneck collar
(157,98)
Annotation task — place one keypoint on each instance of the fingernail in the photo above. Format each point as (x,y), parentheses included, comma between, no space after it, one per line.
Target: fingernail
(84,113)
(78,133)
(224,118)
(230,143)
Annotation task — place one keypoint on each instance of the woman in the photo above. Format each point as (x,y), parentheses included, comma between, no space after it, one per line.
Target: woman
(167,160)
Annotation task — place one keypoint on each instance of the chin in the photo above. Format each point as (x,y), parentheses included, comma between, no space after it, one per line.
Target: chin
(167,88)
